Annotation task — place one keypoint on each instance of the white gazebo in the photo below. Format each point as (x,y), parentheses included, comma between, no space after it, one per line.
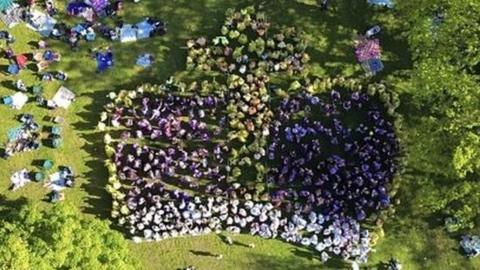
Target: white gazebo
(63,98)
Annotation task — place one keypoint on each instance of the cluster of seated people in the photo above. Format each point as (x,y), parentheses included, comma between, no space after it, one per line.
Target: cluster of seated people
(25,138)
(59,181)
(153,212)
(154,27)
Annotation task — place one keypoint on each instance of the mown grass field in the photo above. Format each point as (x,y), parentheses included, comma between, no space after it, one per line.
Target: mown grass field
(416,239)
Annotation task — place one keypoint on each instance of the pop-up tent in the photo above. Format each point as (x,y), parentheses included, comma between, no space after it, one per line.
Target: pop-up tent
(19,100)
(64,97)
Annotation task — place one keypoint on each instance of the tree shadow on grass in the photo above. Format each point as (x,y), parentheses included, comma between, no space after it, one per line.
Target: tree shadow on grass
(292,263)
(7,205)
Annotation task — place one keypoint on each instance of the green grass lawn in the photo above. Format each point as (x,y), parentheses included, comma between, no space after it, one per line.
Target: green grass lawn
(413,237)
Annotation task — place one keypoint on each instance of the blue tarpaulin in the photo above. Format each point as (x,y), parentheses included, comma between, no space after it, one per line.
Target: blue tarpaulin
(144,29)
(387,3)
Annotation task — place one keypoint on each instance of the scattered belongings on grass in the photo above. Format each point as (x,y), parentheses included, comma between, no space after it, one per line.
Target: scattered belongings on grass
(471,245)
(16,101)
(23,138)
(20,179)
(58,182)
(142,30)
(12,15)
(145,60)
(41,23)
(61,179)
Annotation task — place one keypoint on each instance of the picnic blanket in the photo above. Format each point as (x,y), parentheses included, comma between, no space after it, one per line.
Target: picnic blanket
(14,133)
(128,33)
(20,179)
(144,29)
(368,49)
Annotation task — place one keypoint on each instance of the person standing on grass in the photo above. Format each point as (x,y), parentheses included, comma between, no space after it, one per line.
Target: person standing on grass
(229,240)
(73,40)
(10,39)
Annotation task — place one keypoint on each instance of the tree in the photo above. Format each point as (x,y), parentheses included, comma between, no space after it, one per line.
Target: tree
(443,37)
(60,238)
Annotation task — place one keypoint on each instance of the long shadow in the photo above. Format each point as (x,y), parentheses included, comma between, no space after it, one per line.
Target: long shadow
(291,263)
(202,253)
(8,206)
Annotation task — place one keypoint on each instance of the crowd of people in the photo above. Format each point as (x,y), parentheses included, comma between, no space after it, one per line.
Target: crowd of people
(247,157)
(153,212)
(24,138)
(246,47)
(344,187)
(341,167)
(249,122)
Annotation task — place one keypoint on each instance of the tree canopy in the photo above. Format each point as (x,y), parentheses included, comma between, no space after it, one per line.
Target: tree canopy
(444,84)
(60,238)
